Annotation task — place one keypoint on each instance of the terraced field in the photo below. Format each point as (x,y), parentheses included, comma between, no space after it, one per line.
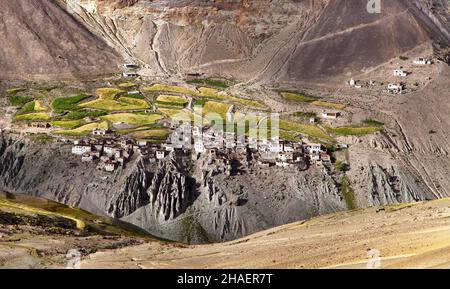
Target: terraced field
(206,93)
(298,97)
(213,107)
(67,124)
(330,105)
(311,131)
(177,114)
(69,103)
(133,118)
(354,131)
(110,99)
(171,101)
(33,111)
(84,130)
(77,116)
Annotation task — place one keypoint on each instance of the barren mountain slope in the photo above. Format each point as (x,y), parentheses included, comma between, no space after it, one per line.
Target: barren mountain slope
(267,41)
(423,119)
(40,40)
(36,233)
(401,236)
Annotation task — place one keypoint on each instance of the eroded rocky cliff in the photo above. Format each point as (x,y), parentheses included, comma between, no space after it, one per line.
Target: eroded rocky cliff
(201,200)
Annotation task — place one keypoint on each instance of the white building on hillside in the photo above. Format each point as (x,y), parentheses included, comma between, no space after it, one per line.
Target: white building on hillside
(314,149)
(400,72)
(81,149)
(422,61)
(130,74)
(395,88)
(331,115)
(99,132)
(131,66)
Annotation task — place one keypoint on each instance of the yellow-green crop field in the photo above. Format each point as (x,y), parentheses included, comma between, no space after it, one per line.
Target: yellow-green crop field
(109,99)
(171,100)
(84,130)
(354,131)
(213,107)
(206,92)
(170,88)
(38,116)
(68,124)
(39,106)
(177,114)
(33,111)
(304,129)
(298,97)
(133,118)
(127,85)
(326,104)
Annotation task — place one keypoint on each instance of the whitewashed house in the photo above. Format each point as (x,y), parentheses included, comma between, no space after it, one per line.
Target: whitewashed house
(275,147)
(130,74)
(160,155)
(110,166)
(81,149)
(282,164)
(131,66)
(395,88)
(109,150)
(285,156)
(118,153)
(287,147)
(99,132)
(422,61)
(331,115)
(199,147)
(314,149)
(400,72)
(87,158)
(142,143)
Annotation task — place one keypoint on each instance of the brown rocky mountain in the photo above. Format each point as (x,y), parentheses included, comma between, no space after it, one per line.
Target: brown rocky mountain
(41,40)
(268,41)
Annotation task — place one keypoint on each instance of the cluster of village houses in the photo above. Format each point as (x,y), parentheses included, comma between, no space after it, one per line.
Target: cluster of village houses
(111,152)
(395,88)
(265,152)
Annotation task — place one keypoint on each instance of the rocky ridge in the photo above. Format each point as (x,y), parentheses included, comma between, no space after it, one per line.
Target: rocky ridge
(199,200)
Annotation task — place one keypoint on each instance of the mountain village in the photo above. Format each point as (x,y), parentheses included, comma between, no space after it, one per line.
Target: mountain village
(111,152)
